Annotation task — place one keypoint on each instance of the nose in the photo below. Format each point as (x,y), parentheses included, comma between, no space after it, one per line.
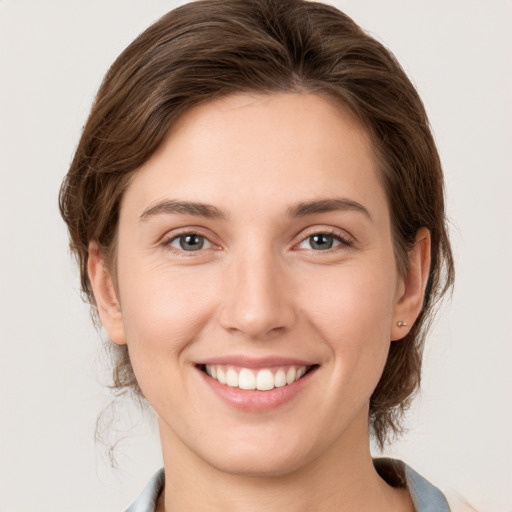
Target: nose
(257,300)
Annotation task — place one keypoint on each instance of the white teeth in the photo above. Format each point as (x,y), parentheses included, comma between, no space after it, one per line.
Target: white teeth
(232,378)
(264,380)
(248,379)
(221,376)
(280,379)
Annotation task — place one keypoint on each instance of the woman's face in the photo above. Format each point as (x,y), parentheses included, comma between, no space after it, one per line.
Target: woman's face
(255,245)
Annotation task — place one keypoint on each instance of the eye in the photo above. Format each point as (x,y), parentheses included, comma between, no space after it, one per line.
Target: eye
(189,242)
(323,242)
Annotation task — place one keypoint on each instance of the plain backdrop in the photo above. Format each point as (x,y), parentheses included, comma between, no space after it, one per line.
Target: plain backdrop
(53,54)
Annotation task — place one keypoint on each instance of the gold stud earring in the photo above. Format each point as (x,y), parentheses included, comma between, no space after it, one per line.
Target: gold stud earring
(401,324)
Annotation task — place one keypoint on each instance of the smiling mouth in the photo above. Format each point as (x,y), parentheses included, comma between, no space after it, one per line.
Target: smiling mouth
(263,379)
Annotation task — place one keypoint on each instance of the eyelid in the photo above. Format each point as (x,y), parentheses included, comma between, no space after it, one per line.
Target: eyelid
(345,239)
(177,237)
(174,234)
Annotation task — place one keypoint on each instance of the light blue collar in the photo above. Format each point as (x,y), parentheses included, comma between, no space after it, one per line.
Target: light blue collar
(426,497)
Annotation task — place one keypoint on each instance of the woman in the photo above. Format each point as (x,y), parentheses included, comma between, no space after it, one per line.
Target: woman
(256,204)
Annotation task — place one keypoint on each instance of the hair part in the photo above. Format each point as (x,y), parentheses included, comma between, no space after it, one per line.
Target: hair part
(210,49)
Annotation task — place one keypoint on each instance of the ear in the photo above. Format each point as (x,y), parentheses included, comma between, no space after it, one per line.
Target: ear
(105,295)
(412,291)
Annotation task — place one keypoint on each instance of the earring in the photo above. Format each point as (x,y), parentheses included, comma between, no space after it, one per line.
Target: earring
(401,324)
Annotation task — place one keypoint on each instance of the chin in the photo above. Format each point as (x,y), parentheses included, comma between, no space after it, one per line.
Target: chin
(258,467)
(262,459)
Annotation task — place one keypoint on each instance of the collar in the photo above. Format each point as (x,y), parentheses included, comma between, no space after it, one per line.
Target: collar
(425,496)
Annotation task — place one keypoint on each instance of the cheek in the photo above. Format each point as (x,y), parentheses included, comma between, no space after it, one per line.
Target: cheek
(163,311)
(353,315)
(358,299)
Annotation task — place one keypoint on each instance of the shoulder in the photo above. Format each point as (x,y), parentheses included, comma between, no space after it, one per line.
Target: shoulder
(458,503)
(146,502)
(426,496)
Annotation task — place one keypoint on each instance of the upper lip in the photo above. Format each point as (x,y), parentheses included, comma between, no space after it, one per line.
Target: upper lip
(254,362)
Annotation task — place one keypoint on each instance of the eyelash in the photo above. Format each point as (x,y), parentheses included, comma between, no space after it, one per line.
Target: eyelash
(181,236)
(344,241)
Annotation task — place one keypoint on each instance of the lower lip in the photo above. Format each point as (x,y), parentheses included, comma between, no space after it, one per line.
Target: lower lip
(253,400)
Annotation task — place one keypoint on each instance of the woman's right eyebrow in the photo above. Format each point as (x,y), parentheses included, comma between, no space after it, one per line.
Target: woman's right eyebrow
(176,207)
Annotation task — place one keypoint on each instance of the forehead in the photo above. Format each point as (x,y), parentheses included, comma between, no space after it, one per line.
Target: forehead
(269,149)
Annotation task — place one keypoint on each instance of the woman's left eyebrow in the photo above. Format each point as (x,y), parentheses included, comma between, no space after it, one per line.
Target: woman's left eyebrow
(305,208)
(176,207)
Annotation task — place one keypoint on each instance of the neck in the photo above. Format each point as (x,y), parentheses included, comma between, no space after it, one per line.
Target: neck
(342,478)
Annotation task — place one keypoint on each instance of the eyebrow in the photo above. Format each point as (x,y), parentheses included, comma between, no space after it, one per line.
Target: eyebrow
(301,209)
(171,206)
(305,208)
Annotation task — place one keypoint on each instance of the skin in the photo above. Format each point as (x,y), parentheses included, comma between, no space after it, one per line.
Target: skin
(258,287)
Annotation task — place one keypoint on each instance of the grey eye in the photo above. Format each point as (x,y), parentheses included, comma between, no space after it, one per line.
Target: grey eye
(189,242)
(321,241)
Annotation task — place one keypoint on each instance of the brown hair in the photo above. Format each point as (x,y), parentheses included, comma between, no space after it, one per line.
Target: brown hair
(212,48)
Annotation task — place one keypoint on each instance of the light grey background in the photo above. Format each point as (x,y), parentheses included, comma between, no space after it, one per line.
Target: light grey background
(53,54)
